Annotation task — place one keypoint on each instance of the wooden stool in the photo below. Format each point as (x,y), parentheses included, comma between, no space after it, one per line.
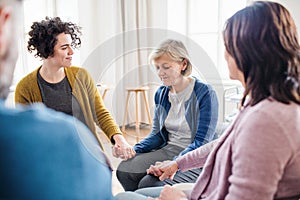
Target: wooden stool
(104,87)
(136,91)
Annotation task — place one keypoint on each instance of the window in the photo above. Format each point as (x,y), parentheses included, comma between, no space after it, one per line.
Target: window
(203,21)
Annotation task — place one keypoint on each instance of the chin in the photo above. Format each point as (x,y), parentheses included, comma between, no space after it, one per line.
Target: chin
(232,77)
(4,89)
(166,83)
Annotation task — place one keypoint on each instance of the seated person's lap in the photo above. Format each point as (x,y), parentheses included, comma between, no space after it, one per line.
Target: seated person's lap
(189,176)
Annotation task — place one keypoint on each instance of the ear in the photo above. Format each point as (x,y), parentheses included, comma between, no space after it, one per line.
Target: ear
(184,64)
(5,14)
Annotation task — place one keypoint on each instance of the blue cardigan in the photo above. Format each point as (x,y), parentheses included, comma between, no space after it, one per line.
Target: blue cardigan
(201,113)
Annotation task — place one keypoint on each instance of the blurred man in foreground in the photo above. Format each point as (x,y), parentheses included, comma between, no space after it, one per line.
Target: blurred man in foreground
(44,154)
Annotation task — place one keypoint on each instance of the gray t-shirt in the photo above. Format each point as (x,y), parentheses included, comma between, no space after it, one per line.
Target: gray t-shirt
(59,97)
(176,124)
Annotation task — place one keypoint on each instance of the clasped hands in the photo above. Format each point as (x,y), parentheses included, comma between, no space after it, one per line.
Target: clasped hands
(163,170)
(121,148)
(123,151)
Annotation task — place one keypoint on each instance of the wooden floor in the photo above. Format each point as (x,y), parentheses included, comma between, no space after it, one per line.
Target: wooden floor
(131,139)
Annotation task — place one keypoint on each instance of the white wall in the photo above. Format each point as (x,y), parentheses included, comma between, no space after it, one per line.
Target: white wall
(102,20)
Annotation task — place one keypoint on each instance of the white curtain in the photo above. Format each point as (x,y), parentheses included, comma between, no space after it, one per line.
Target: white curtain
(118,36)
(115,50)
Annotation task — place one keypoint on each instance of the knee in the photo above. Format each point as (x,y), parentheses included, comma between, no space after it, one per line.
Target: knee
(122,171)
(124,175)
(150,181)
(125,196)
(121,175)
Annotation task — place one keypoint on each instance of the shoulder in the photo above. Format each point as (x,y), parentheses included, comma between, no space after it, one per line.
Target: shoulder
(41,130)
(37,114)
(74,131)
(265,134)
(30,77)
(268,121)
(75,69)
(204,91)
(201,86)
(48,121)
(27,81)
(78,73)
(161,91)
(43,115)
(271,110)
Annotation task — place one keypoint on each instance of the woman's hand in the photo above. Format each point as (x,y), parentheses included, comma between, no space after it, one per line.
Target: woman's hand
(155,169)
(163,170)
(122,149)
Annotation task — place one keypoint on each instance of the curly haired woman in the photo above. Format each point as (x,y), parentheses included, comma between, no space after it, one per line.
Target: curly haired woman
(63,87)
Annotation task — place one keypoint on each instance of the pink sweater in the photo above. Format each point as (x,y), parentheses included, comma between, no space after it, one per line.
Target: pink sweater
(258,157)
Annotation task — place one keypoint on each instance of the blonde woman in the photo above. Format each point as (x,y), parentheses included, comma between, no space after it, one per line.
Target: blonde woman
(185,118)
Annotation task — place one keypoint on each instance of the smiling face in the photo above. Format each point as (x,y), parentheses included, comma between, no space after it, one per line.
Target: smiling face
(168,70)
(62,56)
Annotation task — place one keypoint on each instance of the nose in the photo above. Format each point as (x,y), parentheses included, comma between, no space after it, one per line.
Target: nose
(71,51)
(160,71)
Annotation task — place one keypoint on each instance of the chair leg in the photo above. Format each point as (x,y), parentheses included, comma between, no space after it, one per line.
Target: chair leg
(137,123)
(125,112)
(104,93)
(147,108)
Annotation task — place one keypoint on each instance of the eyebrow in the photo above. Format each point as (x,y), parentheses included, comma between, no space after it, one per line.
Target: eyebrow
(65,45)
(163,64)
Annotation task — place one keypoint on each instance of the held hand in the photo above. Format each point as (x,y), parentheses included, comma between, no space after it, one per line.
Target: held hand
(169,169)
(116,151)
(163,170)
(155,169)
(124,152)
(122,149)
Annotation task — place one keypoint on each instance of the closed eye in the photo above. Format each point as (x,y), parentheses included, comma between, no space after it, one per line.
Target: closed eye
(165,67)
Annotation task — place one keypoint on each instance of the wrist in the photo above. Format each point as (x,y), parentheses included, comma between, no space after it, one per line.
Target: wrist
(118,138)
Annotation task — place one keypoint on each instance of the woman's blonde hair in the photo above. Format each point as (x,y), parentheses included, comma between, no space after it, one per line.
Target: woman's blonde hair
(177,52)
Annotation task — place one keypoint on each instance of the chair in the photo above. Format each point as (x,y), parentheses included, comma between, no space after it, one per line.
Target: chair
(136,90)
(103,87)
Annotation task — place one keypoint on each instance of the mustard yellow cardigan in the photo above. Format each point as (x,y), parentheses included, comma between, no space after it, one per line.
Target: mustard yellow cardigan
(86,93)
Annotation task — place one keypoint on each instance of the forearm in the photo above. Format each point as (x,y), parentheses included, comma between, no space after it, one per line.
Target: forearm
(119,138)
(195,158)
(104,119)
(152,141)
